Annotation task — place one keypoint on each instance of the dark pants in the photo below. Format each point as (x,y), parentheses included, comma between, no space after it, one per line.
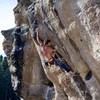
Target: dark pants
(62,64)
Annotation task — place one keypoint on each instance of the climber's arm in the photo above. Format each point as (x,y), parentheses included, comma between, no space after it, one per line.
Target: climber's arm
(38,40)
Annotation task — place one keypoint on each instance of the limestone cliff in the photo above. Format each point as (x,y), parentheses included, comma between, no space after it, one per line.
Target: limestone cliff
(73,26)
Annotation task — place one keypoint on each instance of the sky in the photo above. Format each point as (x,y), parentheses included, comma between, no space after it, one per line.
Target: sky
(6,18)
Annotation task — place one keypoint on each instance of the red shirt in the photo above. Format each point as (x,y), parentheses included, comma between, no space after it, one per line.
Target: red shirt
(48,52)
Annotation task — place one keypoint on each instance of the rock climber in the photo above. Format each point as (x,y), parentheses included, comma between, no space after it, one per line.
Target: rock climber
(50,55)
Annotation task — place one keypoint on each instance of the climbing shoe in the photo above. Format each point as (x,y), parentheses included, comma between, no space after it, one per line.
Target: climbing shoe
(88,76)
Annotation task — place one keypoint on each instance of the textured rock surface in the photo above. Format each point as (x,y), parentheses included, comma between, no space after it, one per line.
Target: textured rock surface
(73,26)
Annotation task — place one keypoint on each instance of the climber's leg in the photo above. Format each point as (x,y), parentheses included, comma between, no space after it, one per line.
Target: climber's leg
(62,65)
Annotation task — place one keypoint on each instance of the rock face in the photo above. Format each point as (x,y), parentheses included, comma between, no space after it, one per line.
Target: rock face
(73,27)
